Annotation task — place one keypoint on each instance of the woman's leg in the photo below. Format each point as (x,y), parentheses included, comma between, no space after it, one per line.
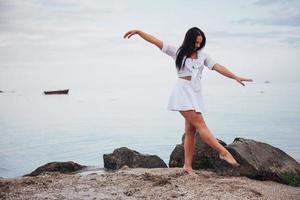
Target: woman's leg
(197,121)
(189,146)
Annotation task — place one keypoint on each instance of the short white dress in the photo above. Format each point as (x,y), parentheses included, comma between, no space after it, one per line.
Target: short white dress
(187,94)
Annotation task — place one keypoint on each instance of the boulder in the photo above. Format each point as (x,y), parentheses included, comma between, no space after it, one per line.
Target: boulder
(264,162)
(133,159)
(62,167)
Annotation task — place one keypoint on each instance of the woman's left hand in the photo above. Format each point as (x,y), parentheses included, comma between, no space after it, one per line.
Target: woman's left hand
(240,79)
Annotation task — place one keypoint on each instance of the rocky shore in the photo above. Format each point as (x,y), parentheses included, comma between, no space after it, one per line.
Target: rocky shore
(266,172)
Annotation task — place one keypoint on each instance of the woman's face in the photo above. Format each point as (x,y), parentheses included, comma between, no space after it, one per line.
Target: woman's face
(198,41)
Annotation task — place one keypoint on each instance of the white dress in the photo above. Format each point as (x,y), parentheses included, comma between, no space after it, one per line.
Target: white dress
(187,94)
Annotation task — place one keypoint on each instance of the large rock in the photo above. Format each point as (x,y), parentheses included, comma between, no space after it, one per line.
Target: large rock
(264,162)
(133,159)
(258,160)
(62,167)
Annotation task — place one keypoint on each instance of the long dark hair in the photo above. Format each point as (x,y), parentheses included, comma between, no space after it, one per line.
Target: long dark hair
(188,46)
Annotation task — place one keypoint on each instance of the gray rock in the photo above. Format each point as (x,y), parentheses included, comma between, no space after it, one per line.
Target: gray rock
(62,167)
(263,162)
(133,159)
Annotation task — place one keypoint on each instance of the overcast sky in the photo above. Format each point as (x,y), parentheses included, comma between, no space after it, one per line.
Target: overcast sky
(79,43)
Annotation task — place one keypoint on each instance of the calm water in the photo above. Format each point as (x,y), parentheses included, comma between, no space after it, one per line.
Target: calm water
(82,126)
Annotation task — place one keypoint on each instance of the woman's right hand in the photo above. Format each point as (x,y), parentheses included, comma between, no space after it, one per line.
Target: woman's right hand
(131,33)
(240,79)
(145,36)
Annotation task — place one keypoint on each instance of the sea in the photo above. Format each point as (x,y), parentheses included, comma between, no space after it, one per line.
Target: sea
(91,121)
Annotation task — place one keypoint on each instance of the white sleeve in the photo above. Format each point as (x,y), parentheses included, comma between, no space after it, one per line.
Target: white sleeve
(169,50)
(209,62)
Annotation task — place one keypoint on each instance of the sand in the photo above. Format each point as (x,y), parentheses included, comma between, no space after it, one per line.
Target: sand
(141,183)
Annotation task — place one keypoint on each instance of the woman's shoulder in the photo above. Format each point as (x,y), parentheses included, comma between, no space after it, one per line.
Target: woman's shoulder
(169,49)
(169,45)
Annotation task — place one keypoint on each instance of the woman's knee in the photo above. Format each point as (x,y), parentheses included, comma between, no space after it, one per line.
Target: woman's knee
(200,125)
(195,120)
(189,128)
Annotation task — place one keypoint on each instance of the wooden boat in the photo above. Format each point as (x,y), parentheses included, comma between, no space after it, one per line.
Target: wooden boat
(57,92)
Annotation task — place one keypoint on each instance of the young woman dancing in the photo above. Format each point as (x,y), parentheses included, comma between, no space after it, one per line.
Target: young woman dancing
(186,96)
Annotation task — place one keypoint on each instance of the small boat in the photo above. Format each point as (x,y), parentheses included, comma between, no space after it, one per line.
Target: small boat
(7,91)
(57,92)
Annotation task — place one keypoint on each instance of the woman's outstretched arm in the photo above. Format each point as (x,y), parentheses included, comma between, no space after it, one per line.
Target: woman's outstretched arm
(145,36)
(225,72)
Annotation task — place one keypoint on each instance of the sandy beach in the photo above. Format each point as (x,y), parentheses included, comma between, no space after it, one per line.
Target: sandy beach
(142,183)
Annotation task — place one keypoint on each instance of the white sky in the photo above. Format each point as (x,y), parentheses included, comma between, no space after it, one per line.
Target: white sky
(79,43)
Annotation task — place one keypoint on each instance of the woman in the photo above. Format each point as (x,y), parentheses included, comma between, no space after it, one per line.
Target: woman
(186,96)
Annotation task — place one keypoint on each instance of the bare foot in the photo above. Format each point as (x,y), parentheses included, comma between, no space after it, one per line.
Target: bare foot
(189,170)
(228,158)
